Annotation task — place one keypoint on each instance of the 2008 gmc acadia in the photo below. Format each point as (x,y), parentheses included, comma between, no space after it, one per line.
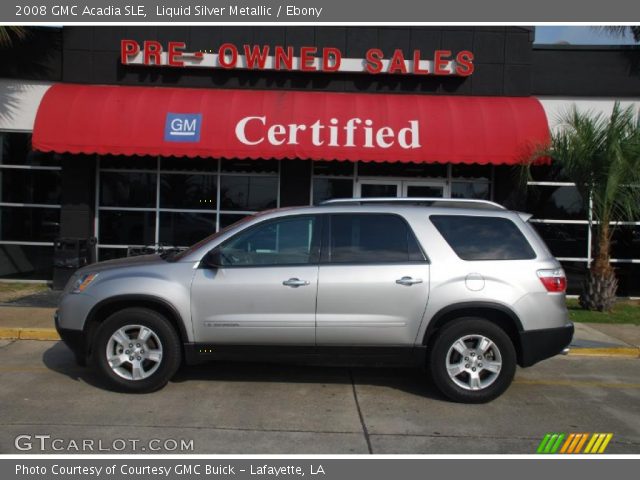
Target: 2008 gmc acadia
(464,288)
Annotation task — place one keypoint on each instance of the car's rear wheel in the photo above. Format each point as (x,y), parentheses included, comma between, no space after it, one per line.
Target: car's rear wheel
(472,360)
(136,350)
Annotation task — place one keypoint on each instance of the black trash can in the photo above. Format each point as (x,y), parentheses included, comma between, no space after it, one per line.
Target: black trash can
(70,254)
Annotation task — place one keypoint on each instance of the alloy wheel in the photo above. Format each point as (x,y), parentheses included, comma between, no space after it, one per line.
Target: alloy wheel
(473,362)
(134,352)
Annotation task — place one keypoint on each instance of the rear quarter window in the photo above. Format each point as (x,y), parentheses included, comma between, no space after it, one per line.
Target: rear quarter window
(483,238)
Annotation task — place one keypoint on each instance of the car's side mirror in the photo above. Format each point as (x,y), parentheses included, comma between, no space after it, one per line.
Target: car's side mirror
(212,259)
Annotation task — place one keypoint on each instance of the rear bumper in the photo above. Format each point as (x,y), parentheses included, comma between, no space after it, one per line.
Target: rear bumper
(74,339)
(536,345)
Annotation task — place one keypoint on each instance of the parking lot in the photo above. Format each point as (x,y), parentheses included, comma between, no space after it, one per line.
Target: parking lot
(259,408)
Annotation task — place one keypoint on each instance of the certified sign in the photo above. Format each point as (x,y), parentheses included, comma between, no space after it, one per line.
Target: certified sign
(182,127)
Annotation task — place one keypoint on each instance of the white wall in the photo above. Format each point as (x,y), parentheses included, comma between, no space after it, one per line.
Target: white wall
(555,107)
(19,101)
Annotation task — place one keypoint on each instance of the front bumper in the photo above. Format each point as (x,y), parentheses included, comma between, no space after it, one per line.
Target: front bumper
(536,345)
(74,339)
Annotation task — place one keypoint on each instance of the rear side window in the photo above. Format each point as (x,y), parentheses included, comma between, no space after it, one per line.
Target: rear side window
(483,238)
(372,238)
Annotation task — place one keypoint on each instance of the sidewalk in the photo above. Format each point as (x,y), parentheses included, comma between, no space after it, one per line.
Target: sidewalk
(594,339)
(27,323)
(606,339)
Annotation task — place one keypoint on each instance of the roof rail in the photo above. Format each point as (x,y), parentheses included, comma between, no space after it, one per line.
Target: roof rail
(424,201)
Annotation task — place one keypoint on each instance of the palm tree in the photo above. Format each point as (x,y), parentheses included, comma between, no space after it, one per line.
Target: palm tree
(8,34)
(623,31)
(601,155)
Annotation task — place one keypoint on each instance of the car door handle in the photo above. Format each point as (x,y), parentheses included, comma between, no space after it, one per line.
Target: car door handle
(295,282)
(408,281)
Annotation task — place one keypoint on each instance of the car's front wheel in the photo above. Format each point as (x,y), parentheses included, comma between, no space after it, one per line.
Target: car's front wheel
(136,350)
(472,360)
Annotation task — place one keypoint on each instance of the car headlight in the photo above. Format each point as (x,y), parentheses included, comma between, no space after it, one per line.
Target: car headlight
(83,282)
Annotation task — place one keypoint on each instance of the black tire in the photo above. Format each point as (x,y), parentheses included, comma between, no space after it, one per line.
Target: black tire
(163,333)
(442,348)
(81,360)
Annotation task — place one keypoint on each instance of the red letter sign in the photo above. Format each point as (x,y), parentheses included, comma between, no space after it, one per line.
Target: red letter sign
(128,48)
(283,58)
(440,62)
(397,64)
(374,60)
(256,56)
(174,54)
(464,63)
(152,51)
(307,58)
(416,64)
(328,53)
(222,55)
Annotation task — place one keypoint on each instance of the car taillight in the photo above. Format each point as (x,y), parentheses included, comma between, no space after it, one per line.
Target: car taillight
(554,280)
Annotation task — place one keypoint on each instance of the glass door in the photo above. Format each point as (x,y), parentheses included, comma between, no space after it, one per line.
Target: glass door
(379,188)
(388,188)
(429,189)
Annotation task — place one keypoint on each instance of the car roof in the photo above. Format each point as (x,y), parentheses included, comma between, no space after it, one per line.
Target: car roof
(392,207)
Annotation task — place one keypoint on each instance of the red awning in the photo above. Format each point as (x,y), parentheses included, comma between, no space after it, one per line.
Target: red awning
(288,124)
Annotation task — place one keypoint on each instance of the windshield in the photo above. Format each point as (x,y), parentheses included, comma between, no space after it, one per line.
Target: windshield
(179,255)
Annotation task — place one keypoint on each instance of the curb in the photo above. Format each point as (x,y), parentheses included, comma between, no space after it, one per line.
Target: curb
(620,352)
(28,334)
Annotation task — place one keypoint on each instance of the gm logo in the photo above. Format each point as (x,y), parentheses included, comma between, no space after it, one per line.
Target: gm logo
(182,127)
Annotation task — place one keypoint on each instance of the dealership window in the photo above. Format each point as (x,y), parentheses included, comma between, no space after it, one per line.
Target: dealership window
(563,222)
(150,202)
(332,180)
(29,208)
(471,181)
(338,179)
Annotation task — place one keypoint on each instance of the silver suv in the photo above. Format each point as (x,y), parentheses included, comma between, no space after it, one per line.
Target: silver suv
(464,288)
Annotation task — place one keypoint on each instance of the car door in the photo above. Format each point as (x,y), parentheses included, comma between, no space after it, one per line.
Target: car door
(373,283)
(264,289)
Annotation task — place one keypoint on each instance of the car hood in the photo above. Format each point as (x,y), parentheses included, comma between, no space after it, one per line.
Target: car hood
(122,262)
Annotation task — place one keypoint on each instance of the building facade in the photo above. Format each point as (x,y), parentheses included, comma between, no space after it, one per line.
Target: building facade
(159,136)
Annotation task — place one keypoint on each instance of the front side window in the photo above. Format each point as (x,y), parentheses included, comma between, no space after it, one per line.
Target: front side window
(483,238)
(288,241)
(372,238)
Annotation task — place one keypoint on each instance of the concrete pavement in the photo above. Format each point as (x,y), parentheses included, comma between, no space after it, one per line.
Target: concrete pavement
(258,408)
(226,408)
(619,334)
